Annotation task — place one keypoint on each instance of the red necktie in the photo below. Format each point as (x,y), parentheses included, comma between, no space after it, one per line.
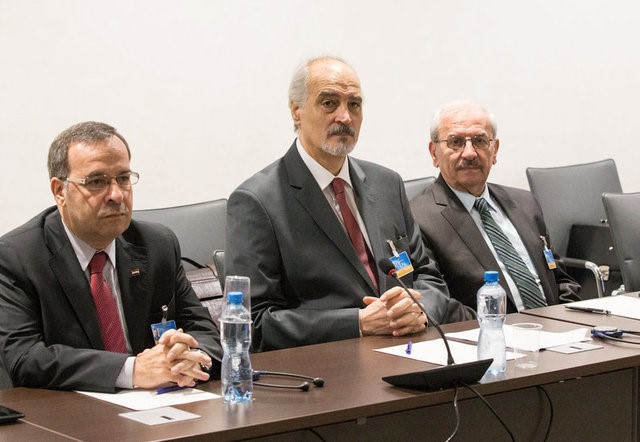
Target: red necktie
(354,232)
(110,326)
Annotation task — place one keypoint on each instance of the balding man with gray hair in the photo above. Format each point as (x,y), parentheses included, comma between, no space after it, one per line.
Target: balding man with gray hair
(472,226)
(309,229)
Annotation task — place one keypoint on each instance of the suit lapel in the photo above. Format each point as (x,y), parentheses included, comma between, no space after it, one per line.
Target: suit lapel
(522,223)
(456,214)
(74,282)
(133,278)
(310,196)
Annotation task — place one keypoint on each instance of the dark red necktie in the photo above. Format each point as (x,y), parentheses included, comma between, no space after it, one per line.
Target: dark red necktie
(354,232)
(110,326)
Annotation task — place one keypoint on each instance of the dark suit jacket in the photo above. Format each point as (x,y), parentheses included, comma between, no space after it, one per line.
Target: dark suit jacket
(307,282)
(462,253)
(49,333)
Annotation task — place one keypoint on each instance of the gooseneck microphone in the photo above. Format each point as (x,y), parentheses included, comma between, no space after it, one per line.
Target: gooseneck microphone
(387,267)
(444,377)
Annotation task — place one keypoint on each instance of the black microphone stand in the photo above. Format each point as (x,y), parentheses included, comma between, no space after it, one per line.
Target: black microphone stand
(447,376)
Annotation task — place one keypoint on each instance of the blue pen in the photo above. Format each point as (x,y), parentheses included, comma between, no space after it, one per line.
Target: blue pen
(408,350)
(170,389)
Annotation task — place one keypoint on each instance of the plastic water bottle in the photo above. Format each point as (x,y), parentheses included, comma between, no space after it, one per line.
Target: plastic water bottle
(235,334)
(492,309)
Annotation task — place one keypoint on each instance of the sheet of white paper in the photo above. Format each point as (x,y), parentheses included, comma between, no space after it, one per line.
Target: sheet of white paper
(626,306)
(547,339)
(157,416)
(436,353)
(576,347)
(146,399)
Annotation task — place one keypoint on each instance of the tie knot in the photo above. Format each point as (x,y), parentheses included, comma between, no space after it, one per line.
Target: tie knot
(97,262)
(481,205)
(338,185)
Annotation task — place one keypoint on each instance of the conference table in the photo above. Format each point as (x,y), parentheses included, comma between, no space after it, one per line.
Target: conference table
(592,395)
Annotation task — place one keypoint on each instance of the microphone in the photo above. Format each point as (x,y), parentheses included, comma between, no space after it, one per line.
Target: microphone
(447,376)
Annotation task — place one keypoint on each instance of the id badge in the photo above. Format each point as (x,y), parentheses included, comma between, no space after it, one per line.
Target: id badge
(548,254)
(159,328)
(402,263)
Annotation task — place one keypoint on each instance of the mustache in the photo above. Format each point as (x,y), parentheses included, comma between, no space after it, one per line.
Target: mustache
(468,164)
(114,209)
(341,129)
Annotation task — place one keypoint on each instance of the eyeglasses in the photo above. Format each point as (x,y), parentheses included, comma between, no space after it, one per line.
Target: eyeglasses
(100,182)
(456,142)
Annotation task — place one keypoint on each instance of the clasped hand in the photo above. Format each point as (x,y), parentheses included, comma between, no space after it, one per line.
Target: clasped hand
(394,313)
(171,360)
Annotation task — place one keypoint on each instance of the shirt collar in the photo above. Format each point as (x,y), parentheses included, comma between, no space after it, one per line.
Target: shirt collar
(468,200)
(84,252)
(322,176)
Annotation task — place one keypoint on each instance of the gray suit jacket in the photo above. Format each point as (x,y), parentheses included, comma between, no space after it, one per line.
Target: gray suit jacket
(307,282)
(49,333)
(462,253)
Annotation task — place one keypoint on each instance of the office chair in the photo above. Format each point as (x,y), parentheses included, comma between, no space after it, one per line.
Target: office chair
(200,227)
(623,213)
(571,201)
(415,186)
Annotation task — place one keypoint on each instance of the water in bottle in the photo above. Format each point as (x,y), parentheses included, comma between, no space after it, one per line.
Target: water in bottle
(235,335)
(492,309)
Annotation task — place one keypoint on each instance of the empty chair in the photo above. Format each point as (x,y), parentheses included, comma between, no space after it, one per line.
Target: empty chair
(571,198)
(623,213)
(200,227)
(415,186)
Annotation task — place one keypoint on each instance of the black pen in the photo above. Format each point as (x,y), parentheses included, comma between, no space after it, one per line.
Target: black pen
(599,311)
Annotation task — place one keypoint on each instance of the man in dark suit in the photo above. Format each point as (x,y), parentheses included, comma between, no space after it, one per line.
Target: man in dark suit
(309,229)
(81,284)
(464,146)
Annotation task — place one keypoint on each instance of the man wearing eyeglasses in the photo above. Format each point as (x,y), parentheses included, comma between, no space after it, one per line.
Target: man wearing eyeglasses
(81,284)
(471,226)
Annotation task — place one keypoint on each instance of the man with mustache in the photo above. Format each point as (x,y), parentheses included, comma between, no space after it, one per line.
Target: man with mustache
(309,229)
(81,284)
(462,235)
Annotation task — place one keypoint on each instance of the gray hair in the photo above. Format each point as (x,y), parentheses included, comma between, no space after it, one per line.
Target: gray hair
(453,106)
(85,132)
(298,88)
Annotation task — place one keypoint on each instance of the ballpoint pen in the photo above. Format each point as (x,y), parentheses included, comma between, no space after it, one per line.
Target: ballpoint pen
(170,389)
(599,311)
(408,349)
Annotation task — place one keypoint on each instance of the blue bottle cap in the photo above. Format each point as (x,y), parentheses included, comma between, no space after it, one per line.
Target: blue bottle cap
(234,297)
(491,276)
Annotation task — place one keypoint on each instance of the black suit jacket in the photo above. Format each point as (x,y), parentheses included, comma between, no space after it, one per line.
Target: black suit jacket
(462,253)
(49,333)
(307,282)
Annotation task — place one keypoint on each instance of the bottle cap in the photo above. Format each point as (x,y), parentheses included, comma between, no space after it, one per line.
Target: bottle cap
(234,298)
(491,276)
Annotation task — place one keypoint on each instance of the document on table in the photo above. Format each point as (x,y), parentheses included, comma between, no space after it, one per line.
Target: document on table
(435,352)
(140,399)
(621,305)
(547,339)
(159,416)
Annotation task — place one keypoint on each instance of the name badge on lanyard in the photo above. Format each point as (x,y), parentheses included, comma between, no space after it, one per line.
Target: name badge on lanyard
(548,254)
(159,328)
(401,261)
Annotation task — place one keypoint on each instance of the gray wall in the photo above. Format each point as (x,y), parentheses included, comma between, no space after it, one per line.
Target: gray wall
(199,88)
